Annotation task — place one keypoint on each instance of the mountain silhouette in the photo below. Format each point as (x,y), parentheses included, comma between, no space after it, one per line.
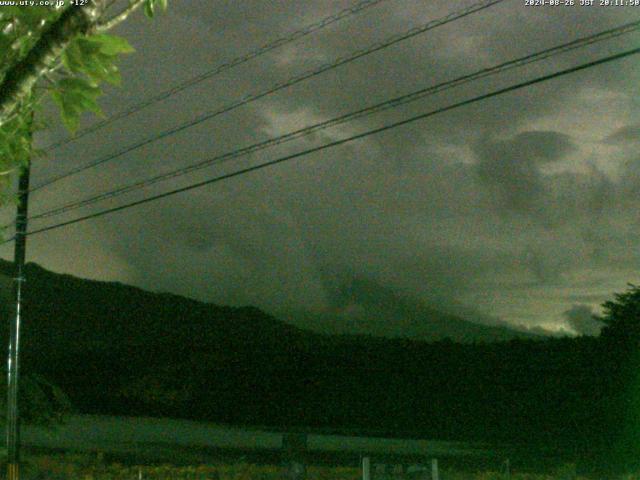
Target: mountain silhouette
(118,349)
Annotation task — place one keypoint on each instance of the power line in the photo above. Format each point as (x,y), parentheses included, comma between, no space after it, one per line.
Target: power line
(339,142)
(379,107)
(266,48)
(481,5)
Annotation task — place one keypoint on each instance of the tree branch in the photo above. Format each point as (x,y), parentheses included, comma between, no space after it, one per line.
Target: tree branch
(20,79)
(8,172)
(119,17)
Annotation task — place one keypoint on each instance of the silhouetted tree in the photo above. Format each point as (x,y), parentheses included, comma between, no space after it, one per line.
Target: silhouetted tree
(622,317)
(619,358)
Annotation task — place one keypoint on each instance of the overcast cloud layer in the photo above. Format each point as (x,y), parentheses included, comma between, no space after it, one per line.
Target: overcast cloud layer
(519,209)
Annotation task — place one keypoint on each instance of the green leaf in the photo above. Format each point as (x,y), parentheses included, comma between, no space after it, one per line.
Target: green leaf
(95,57)
(75,96)
(70,116)
(112,75)
(112,45)
(87,46)
(11,11)
(32,15)
(15,142)
(149,8)
(72,58)
(79,85)
(97,67)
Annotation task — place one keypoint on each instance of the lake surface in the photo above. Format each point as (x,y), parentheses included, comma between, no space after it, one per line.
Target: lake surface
(144,435)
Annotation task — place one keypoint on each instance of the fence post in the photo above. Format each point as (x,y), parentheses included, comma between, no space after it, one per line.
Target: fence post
(434,469)
(366,468)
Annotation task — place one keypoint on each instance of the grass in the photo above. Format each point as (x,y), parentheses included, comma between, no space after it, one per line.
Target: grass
(90,467)
(86,467)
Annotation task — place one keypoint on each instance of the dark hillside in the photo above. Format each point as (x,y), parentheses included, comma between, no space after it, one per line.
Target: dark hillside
(121,350)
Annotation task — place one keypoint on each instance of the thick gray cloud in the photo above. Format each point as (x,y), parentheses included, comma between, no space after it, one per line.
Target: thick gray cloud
(581,319)
(512,166)
(630,133)
(509,209)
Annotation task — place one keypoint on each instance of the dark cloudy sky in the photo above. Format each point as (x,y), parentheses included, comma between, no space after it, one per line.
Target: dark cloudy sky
(521,209)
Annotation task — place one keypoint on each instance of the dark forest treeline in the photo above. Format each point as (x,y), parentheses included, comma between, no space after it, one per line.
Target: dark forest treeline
(119,350)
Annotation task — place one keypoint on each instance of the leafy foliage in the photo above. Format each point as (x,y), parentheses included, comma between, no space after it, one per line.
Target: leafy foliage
(74,96)
(624,309)
(95,57)
(91,60)
(622,317)
(19,31)
(74,83)
(20,28)
(151,6)
(75,80)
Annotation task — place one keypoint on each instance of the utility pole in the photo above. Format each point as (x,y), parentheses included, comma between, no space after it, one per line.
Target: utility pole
(20,246)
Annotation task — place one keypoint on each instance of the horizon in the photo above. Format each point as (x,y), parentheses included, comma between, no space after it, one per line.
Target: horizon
(292,320)
(517,210)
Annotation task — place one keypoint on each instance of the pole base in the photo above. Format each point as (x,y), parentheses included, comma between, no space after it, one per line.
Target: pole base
(13,471)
